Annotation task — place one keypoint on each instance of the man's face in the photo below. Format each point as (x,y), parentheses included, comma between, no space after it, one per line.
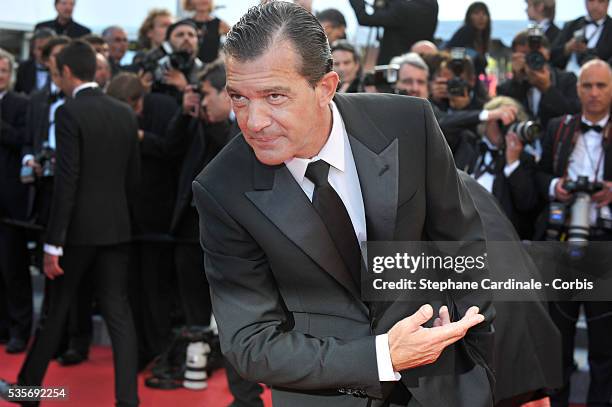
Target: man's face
(117,45)
(38,45)
(64,8)
(279,113)
(216,105)
(333,33)
(157,35)
(493,133)
(102,49)
(184,38)
(413,81)
(595,90)
(345,65)
(533,12)
(597,9)
(103,71)
(55,76)
(5,74)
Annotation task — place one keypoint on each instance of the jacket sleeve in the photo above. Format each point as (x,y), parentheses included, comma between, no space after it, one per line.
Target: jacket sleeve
(396,14)
(13,134)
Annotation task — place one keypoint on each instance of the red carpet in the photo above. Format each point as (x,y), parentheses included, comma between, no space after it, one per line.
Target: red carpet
(91,384)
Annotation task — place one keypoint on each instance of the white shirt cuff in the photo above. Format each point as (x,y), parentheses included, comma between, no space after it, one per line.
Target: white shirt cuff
(483,116)
(53,250)
(383,359)
(551,188)
(26,158)
(510,168)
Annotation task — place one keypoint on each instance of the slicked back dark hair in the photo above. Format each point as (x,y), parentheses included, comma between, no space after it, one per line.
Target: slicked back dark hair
(80,57)
(277,21)
(215,74)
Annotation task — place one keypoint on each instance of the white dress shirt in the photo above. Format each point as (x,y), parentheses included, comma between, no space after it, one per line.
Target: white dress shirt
(583,162)
(48,248)
(592,33)
(486,179)
(345,181)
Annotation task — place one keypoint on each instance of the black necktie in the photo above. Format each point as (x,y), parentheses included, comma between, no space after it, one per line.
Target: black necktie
(493,167)
(589,22)
(335,217)
(584,127)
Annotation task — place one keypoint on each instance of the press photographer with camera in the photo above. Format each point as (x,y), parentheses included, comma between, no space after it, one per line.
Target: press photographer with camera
(544,91)
(15,286)
(584,38)
(173,66)
(405,22)
(347,63)
(576,157)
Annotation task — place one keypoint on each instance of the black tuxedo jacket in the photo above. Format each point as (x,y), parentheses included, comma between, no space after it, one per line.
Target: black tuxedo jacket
(13,108)
(97,167)
(26,77)
(37,126)
(552,32)
(561,98)
(289,314)
(72,29)
(603,48)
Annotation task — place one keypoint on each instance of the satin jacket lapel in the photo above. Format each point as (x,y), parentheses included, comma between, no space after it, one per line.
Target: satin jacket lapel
(279,197)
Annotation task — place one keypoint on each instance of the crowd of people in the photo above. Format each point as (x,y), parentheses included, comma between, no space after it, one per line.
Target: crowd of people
(99,157)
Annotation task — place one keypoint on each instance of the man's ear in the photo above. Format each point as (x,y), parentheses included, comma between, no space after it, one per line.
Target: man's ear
(326,88)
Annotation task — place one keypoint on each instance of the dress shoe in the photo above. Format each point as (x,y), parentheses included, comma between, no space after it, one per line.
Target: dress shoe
(16,345)
(72,357)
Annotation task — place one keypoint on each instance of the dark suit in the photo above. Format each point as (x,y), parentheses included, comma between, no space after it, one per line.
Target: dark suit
(556,153)
(288,311)
(97,166)
(72,29)
(15,284)
(405,22)
(603,48)
(561,98)
(27,76)
(552,32)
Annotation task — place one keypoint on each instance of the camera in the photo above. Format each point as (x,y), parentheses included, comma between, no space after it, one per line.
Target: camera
(535,59)
(456,85)
(528,131)
(383,77)
(161,60)
(580,35)
(46,159)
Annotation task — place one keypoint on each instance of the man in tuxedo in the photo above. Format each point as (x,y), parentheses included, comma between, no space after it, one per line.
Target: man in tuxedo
(584,38)
(97,166)
(575,146)
(33,74)
(546,92)
(63,24)
(15,285)
(284,271)
(117,41)
(542,12)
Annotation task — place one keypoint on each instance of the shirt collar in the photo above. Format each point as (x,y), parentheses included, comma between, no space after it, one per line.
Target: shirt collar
(2,94)
(332,152)
(544,24)
(83,86)
(603,122)
(598,22)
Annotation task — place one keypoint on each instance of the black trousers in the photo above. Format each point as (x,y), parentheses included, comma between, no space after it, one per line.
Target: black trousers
(150,283)
(15,283)
(108,267)
(193,286)
(246,393)
(599,325)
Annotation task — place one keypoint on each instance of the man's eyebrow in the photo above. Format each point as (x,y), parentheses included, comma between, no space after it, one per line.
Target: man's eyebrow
(273,89)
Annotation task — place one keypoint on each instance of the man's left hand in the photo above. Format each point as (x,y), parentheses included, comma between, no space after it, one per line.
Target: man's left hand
(176,78)
(603,197)
(51,266)
(540,78)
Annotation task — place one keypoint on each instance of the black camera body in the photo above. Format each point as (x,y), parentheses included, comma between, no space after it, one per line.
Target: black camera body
(580,35)
(535,59)
(46,158)
(163,59)
(383,77)
(457,86)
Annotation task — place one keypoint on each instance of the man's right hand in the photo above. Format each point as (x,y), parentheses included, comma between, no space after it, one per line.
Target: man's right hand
(412,345)
(439,89)
(191,102)
(561,194)
(574,46)
(35,166)
(518,66)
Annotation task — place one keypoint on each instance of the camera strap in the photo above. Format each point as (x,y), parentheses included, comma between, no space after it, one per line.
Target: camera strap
(563,133)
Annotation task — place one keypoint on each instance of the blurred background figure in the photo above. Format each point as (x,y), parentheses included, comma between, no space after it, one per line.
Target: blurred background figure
(210,28)
(424,47)
(333,23)
(33,74)
(63,24)
(117,41)
(542,13)
(348,66)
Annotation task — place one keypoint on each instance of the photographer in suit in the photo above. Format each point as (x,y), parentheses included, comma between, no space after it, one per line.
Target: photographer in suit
(33,74)
(280,229)
(578,146)
(97,165)
(63,24)
(542,13)
(584,38)
(405,22)
(544,91)
(15,285)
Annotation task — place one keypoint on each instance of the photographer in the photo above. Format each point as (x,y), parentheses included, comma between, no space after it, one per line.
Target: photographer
(334,24)
(501,166)
(544,91)
(348,66)
(577,146)
(33,74)
(542,13)
(117,41)
(405,22)
(584,38)
(174,65)
(15,285)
